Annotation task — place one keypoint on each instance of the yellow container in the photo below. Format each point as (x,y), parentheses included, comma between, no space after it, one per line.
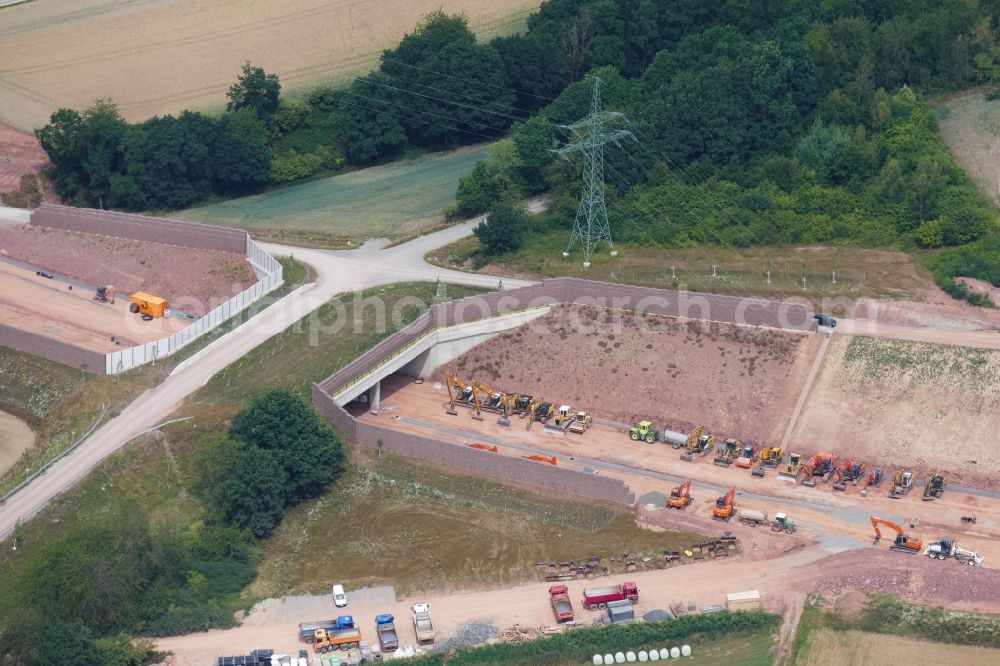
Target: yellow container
(143,303)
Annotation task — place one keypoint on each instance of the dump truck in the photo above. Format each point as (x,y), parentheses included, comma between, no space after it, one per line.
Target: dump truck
(621,612)
(562,607)
(752,518)
(422,624)
(386,628)
(326,640)
(146,304)
(596,598)
(307,630)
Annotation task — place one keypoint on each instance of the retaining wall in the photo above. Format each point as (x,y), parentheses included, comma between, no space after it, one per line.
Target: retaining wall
(667,302)
(140,227)
(54,350)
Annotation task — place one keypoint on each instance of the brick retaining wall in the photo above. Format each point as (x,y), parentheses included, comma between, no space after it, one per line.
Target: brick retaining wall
(54,350)
(140,227)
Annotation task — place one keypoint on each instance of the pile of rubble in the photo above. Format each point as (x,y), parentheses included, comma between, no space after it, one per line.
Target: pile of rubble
(518,634)
(468,635)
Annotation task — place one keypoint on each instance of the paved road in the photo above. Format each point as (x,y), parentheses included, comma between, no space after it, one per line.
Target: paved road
(337,271)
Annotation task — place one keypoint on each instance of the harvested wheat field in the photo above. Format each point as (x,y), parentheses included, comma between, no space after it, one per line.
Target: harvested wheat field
(192,280)
(20,154)
(734,380)
(162,56)
(827,647)
(883,401)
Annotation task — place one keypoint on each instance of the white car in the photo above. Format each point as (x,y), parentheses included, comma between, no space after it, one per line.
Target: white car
(339,596)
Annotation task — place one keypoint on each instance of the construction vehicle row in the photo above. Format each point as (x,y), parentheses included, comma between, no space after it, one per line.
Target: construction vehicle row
(942,549)
(481,397)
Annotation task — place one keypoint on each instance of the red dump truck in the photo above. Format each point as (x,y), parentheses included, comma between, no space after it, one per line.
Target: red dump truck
(596,598)
(562,607)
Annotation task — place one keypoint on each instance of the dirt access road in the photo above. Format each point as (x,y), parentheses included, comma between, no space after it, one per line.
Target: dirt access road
(783,582)
(336,272)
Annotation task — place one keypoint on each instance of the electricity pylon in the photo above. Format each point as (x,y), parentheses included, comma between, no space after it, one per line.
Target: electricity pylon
(590,135)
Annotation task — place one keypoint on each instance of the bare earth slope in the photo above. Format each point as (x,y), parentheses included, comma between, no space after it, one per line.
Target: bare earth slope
(734,380)
(893,401)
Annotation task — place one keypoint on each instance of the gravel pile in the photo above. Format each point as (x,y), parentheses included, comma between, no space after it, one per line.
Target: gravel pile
(468,635)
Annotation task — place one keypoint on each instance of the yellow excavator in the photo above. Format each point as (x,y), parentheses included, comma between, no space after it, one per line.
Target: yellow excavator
(698,442)
(459,392)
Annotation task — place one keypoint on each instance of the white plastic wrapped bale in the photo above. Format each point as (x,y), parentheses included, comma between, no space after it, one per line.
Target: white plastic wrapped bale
(630,656)
(685,650)
(643,655)
(597,660)
(675,653)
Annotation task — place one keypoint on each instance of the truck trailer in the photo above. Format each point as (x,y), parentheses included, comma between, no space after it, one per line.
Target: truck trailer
(596,598)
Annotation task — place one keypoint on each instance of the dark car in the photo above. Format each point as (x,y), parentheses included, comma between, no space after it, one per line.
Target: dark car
(825,320)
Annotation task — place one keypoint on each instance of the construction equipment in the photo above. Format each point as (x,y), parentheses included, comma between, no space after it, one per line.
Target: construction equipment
(723,509)
(680,496)
(841,474)
(934,487)
(326,640)
(422,624)
(521,405)
(902,482)
(821,464)
(484,447)
(727,453)
(385,627)
(947,547)
(147,304)
(106,294)
(564,415)
(562,606)
(771,456)
(459,392)
(645,431)
(902,541)
(580,424)
(874,477)
(598,598)
(552,460)
(791,471)
(541,411)
(490,400)
(782,523)
(752,518)
(698,441)
(747,456)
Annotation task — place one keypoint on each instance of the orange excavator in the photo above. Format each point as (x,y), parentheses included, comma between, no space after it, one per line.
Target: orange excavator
(902,542)
(820,464)
(680,496)
(842,474)
(723,509)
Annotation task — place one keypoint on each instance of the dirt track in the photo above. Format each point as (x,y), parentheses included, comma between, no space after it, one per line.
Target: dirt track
(15,438)
(192,280)
(20,153)
(49,308)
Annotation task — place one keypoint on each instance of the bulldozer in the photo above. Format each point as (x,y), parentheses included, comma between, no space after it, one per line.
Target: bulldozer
(791,470)
(934,487)
(460,393)
(645,431)
(747,456)
(105,295)
(770,456)
(699,442)
(542,411)
(902,542)
(564,415)
(822,464)
(727,453)
(725,505)
(902,482)
(680,496)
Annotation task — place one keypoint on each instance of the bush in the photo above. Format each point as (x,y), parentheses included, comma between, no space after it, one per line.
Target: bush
(504,228)
(292,165)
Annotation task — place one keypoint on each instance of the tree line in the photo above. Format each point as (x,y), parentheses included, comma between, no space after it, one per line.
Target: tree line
(75,596)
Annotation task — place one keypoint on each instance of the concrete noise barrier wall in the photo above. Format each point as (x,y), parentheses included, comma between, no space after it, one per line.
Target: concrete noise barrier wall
(373,437)
(54,350)
(140,227)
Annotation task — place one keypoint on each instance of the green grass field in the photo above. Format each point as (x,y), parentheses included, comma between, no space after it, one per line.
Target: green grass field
(389,201)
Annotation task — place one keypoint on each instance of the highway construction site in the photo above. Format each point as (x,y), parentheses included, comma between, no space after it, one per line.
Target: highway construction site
(515,395)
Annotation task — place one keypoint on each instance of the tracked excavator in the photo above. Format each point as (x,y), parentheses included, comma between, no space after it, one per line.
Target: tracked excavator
(874,477)
(902,482)
(842,474)
(461,393)
(493,401)
(521,405)
(680,496)
(698,442)
(725,505)
(902,542)
(821,464)
(934,487)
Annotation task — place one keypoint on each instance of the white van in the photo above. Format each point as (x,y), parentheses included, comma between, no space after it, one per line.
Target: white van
(339,597)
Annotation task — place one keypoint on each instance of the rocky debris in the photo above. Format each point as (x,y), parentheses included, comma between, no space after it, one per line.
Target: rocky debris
(468,635)
(518,634)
